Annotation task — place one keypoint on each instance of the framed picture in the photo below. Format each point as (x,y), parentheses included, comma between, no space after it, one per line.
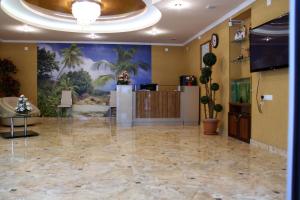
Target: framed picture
(204,49)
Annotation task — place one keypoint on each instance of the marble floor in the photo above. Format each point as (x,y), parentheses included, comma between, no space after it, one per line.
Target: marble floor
(86,160)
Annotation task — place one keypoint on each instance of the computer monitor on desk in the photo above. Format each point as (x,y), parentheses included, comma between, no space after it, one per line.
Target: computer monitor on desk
(151,87)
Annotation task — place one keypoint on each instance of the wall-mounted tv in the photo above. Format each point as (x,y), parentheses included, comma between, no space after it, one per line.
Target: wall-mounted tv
(269,45)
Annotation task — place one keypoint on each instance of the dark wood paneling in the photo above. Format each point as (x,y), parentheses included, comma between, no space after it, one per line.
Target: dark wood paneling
(158,104)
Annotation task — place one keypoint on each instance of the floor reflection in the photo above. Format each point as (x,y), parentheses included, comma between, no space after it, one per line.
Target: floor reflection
(90,159)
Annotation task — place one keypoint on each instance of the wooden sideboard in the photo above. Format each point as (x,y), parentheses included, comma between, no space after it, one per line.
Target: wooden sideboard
(158,104)
(239,121)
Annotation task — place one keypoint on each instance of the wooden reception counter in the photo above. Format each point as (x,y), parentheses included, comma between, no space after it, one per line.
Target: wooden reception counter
(158,104)
(157,107)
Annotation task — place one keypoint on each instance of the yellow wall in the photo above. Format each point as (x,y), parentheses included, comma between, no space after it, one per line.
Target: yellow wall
(26,62)
(220,70)
(167,66)
(271,126)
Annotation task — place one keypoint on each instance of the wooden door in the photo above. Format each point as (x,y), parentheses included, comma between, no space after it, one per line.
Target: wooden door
(245,128)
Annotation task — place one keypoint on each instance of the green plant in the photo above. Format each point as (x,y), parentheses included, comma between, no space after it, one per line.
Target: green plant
(8,85)
(211,109)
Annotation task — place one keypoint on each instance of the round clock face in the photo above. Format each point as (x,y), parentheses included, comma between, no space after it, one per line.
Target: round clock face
(214,40)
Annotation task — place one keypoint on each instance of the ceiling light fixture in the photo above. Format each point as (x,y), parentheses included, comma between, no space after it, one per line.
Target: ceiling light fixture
(93,36)
(86,11)
(154,31)
(25,28)
(210,7)
(178,4)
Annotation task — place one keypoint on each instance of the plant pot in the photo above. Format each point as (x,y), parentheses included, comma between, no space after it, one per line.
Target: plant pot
(210,126)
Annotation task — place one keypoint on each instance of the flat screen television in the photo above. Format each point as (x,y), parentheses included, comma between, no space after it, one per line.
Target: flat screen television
(269,45)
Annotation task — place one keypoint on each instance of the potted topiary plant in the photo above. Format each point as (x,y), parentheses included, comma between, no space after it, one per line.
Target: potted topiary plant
(211,109)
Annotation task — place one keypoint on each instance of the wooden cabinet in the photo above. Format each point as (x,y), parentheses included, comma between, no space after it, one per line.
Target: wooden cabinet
(158,104)
(239,121)
(232,125)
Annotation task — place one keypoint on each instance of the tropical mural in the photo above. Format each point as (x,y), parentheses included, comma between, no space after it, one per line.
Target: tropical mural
(90,72)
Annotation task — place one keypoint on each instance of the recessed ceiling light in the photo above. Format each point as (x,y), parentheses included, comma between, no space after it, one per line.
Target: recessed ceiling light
(154,31)
(25,28)
(210,7)
(178,4)
(93,36)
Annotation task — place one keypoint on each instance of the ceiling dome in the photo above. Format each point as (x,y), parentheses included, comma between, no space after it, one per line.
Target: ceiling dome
(108,7)
(116,15)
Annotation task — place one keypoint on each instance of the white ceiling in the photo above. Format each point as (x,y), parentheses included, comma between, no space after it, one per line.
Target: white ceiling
(177,26)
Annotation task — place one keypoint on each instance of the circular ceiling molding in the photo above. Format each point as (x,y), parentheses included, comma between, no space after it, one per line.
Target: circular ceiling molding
(108,7)
(43,17)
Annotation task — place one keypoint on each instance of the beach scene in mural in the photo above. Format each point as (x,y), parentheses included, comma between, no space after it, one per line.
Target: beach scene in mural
(90,72)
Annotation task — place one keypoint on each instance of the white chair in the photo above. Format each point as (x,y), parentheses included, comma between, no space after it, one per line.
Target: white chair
(65,101)
(7,109)
(112,103)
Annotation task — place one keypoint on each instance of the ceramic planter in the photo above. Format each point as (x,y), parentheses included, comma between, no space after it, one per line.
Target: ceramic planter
(210,126)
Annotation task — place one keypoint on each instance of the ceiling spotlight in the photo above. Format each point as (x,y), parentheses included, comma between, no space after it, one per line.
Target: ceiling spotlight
(153,32)
(267,39)
(86,12)
(178,4)
(25,28)
(93,36)
(210,7)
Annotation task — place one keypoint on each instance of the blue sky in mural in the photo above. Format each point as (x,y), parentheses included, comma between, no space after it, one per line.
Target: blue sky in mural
(96,52)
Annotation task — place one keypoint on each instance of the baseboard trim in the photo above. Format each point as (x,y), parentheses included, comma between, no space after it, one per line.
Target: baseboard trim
(269,148)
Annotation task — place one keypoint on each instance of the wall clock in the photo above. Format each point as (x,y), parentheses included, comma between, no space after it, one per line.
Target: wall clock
(214,40)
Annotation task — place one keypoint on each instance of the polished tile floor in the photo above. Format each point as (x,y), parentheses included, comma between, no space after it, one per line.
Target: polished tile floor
(86,160)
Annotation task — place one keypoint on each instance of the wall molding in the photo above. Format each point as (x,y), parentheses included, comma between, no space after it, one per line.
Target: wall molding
(269,148)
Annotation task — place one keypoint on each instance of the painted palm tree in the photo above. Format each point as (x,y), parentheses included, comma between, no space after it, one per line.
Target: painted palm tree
(124,62)
(66,84)
(71,58)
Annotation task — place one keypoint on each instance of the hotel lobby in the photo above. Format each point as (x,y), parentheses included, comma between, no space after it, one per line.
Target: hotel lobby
(144,99)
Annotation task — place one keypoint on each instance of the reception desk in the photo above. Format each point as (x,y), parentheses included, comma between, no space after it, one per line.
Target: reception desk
(142,107)
(157,104)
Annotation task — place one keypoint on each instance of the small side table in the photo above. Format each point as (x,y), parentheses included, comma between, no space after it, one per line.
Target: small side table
(18,134)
